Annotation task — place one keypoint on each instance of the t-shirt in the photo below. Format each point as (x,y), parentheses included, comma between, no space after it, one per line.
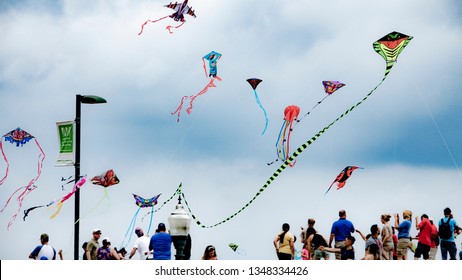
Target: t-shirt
(404,229)
(452,225)
(142,246)
(341,229)
(425,232)
(347,254)
(93,246)
(44,252)
(161,243)
(284,247)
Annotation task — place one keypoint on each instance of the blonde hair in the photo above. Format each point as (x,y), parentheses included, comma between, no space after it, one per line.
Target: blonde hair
(407,214)
(385,217)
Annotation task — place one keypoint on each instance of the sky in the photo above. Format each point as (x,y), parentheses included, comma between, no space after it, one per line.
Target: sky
(405,136)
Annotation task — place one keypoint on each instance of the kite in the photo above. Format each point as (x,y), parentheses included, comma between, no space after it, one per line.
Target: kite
(141,203)
(109,178)
(329,87)
(59,201)
(236,249)
(254,83)
(283,143)
(20,137)
(180,10)
(342,177)
(212,57)
(389,47)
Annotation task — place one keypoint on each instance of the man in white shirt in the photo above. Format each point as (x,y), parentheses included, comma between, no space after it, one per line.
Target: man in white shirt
(141,245)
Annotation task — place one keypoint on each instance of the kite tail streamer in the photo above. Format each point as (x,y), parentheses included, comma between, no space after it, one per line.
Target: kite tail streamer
(132,225)
(59,206)
(264,111)
(20,199)
(150,221)
(178,110)
(205,68)
(146,22)
(178,26)
(7,163)
(291,158)
(206,88)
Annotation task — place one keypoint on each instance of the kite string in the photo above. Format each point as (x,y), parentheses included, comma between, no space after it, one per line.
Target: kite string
(436,126)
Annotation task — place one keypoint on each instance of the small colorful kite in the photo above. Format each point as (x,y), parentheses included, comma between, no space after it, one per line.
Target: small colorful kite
(109,178)
(283,143)
(212,57)
(254,83)
(236,249)
(59,201)
(180,10)
(20,137)
(141,203)
(329,87)
(342,177)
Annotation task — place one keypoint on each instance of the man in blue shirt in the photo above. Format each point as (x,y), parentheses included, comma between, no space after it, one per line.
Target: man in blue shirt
(161,243)
(448,244)
(340,230)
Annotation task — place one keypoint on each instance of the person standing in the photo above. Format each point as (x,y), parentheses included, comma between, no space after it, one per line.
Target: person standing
(92,246)
(309,231)
(425,232)
(347,252)
(374,238)
(339,231)
(435,240)
(316,241)
(447,242)
(43,251)
(284,243)
(210,253)
(105,252)
(387,237)
(161,243)
(404,237)
(141,245)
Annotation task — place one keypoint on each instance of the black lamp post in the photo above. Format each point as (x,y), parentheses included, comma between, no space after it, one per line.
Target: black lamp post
(79,99)
(179,222)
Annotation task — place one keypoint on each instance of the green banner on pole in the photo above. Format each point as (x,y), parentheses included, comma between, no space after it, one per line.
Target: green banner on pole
(66,143)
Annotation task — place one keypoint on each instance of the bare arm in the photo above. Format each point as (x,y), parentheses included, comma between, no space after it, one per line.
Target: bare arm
(331,238)
(361,234)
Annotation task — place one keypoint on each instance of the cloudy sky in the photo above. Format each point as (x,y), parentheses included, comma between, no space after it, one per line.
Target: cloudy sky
(406,136)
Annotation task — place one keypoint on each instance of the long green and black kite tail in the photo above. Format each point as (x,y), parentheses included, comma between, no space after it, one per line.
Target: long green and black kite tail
(294,155)
(177,191)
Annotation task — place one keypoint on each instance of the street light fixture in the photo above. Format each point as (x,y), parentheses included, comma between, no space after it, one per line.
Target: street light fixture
(79,99)
(179,222)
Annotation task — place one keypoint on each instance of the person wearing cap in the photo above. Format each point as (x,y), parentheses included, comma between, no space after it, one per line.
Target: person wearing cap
(448,244)
(43,251)
(141,245)
(161,243)
(387,237)
(105,252)
(92,246)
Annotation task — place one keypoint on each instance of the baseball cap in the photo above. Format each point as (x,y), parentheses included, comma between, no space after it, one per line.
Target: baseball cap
(96,230)
(161,226)
(108,240)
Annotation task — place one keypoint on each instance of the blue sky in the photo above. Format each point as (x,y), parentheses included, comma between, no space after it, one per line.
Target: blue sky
(406,135)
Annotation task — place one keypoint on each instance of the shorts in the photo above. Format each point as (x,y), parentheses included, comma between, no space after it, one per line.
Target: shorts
(318,254)
(422,250)
(403,245)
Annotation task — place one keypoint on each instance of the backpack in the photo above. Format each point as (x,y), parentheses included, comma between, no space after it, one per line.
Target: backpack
(444,229)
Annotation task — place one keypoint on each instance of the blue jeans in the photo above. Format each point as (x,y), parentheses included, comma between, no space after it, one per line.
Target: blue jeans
(448,246)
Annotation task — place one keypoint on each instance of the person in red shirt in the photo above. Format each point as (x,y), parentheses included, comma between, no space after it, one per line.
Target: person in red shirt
(425,232)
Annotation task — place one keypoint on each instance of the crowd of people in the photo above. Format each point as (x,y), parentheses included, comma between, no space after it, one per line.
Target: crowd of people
(381,243)
(388,241)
